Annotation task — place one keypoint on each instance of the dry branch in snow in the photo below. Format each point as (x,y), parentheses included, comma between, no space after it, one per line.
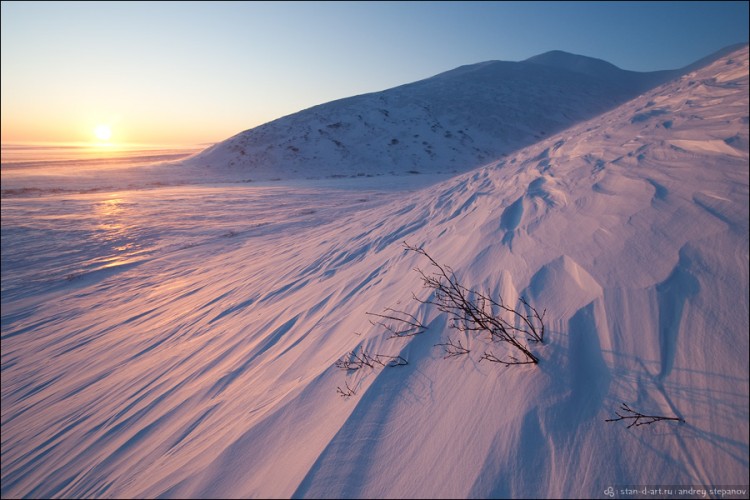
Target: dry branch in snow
(639,418)
(473,311)
(453,349)
(345,393)
(406,325)
(354,360)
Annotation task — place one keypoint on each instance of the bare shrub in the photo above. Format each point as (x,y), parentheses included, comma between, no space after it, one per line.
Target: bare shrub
(468,310)
(473,311)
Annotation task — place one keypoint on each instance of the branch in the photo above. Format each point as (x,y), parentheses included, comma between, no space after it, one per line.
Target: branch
(410,325)
(394,360)
(346,394)
(489,356)
(453,349)
(353,361)
(472,311)
(639,418)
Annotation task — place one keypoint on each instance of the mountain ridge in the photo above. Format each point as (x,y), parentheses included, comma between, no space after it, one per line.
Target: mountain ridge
(449,123)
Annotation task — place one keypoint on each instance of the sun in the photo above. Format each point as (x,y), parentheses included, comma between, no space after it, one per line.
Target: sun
(103,132)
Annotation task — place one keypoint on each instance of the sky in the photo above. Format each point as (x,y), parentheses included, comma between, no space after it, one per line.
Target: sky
(193,73)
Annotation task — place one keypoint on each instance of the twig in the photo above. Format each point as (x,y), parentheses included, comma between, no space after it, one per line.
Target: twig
(353,361)
(345,394)
(639,418)
(489,356)
(410,327)
(453,349)
(394,360)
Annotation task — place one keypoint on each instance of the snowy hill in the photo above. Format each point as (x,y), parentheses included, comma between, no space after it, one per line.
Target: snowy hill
(201,360)
(603,70)
(450,123)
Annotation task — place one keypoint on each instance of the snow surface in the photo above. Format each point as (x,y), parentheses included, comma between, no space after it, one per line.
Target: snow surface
(181,341)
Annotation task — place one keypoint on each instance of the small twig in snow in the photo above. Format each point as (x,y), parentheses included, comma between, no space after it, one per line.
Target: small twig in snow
(639,418)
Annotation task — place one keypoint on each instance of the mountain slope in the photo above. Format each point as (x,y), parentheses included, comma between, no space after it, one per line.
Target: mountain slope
(451,122)
(603,70)
(210,370)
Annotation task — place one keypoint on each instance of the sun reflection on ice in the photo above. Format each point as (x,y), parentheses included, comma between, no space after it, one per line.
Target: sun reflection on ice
(114,231)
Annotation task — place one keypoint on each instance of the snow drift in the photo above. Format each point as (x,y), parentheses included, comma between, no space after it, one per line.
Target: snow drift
(207,368)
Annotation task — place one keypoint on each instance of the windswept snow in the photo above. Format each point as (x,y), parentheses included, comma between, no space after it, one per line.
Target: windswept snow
(202,364)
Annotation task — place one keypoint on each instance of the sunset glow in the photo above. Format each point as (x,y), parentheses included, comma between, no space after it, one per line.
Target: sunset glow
(103,132)
(231,78)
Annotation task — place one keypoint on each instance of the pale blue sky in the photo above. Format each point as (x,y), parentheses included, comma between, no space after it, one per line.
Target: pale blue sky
(194,72)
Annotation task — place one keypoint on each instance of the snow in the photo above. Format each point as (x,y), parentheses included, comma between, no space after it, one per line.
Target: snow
(450,123)
(181,341)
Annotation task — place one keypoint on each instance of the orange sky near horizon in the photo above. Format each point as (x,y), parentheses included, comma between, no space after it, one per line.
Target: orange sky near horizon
(75,120)
(193,73)
(81,129)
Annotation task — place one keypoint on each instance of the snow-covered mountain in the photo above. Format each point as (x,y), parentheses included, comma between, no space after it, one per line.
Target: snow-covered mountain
(201,359)
(450,123)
